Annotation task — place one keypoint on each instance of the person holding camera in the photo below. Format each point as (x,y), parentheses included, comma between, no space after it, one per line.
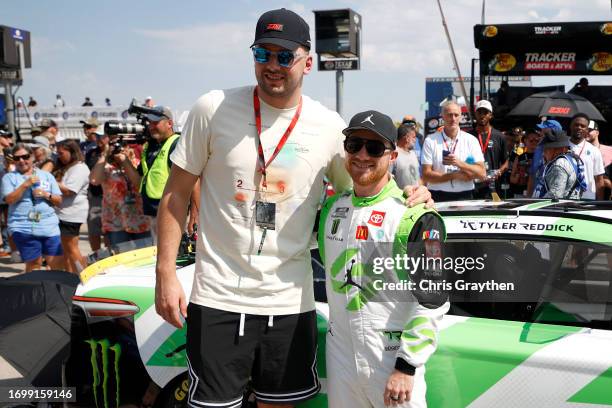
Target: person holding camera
(122,217)
(31,195)
(154,168)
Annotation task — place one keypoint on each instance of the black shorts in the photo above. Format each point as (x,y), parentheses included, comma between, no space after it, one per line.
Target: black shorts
(278,356)
(70,229)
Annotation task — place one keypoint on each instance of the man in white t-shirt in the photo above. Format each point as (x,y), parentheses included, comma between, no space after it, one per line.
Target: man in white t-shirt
(590,156)
(451,159)
(262,154)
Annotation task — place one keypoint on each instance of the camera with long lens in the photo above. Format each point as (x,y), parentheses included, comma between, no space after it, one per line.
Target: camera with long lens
(122,133)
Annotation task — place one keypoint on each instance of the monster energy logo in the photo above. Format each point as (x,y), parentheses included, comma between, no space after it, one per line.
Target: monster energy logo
(335,225)
(104,347)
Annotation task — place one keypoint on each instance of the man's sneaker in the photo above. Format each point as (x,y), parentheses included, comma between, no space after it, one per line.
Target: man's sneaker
(15,257)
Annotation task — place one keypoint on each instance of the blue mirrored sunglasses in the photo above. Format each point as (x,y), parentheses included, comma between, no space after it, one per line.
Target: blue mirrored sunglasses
(285,58)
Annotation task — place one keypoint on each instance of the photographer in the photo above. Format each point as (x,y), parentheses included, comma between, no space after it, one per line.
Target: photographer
(122,217)
(154,168)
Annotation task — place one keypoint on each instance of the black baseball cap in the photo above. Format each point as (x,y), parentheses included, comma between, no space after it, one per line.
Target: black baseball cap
(284,28)
(555,138)
(373,121)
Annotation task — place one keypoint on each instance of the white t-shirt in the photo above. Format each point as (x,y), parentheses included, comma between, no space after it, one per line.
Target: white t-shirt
(74,208)
(465,147)
(593,165)
(219,143)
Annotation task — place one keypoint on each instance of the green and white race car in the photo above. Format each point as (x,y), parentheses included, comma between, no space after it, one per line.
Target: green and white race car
(553,349)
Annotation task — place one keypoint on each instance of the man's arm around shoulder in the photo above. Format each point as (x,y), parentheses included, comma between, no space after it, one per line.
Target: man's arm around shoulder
(169,295)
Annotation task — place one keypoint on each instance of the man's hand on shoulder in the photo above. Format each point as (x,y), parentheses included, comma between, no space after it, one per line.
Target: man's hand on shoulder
(418,195)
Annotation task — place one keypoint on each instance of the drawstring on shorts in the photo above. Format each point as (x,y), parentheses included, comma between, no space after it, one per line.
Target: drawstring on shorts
(241,326)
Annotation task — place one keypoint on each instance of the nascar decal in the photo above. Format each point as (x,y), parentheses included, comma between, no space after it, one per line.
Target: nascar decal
(569,228)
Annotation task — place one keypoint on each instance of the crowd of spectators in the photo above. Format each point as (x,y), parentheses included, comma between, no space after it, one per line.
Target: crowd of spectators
(52,186)
(484,163)
(61,103)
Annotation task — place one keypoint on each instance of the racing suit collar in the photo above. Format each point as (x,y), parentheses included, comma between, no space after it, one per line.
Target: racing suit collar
(389,190)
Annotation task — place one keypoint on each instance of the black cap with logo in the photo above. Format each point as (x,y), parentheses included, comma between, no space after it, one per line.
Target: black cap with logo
(284,28)
(374,121)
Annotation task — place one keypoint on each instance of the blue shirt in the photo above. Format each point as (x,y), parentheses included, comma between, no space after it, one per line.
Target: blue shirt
(18,212)
(537,161)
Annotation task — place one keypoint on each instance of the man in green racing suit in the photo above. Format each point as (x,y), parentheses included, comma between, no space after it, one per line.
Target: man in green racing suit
(379,338)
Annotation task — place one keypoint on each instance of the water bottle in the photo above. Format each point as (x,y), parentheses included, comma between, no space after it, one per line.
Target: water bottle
(35,185)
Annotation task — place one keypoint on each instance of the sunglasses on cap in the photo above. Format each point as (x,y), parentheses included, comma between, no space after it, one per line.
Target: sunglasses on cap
(23,156)
(375,148)
(285,58)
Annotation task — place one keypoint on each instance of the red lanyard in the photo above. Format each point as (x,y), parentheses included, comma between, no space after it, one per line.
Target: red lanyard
(581,150)
(454,144)
(484,147)
(260,154)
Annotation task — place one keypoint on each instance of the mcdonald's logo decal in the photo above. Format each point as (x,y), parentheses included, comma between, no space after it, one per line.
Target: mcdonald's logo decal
(362,232)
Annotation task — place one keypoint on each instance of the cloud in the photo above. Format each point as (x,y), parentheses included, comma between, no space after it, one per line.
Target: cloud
(402,38)
(213,44)
(43,47)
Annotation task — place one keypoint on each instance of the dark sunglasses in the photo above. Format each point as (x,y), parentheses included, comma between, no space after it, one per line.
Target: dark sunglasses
(24,157)
(375,148)
(285,58)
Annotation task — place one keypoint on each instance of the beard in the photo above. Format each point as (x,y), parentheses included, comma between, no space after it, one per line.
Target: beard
(283,88)
(369,177)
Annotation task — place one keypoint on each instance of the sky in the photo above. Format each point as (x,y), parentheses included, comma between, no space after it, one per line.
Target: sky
(176,51)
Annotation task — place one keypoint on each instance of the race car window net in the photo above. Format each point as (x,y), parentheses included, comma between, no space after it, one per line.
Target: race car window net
(570,283)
